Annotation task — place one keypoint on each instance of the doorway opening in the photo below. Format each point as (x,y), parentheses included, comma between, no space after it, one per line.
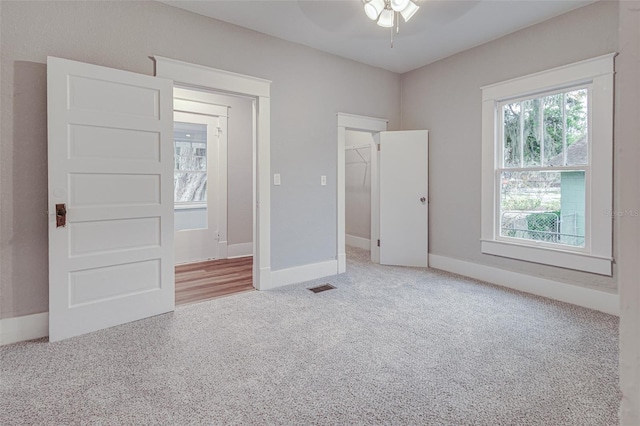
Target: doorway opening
(357,145)
(213,182)
(399,191)
(359,149)
(206,79)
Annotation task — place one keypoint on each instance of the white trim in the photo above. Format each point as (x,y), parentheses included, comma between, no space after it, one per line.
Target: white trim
(223,250)
(303,273)
(201,98)
(189,206)
(342,262)
(361,122)
(197,107)
(239,250)
(596,256)
(192,75)
(200,75)
(550,79)
(365,124)
(363,243)
(27,327)
(576,295)
(547,256)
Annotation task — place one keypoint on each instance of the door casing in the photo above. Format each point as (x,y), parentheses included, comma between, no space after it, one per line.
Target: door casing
(205,78)
(363,124)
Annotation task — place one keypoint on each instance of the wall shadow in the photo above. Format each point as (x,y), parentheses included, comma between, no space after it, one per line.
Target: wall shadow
(28,242)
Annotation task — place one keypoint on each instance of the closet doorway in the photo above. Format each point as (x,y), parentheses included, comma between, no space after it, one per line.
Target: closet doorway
(398,191)
(359,148)
(213,148)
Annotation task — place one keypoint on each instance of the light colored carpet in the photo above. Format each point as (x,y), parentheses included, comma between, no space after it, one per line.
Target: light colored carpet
(390,345)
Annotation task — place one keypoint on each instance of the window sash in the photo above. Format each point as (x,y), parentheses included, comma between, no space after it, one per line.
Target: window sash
(500,166)
(536,243)
(500,104)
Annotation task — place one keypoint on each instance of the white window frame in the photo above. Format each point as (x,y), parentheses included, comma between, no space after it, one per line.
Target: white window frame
(596,256)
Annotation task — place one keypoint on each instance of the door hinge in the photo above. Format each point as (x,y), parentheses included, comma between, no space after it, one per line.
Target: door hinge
(378,147)
(378,243)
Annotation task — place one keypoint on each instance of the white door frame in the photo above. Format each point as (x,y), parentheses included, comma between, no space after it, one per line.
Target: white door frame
(364,124)
(198,76)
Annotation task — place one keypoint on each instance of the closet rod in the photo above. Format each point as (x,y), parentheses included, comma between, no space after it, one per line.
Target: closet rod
(367,145)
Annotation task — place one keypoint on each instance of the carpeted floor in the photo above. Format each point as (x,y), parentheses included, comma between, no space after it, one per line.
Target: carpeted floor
(390,345)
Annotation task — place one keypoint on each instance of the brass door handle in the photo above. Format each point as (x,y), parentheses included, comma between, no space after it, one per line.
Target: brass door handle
(61,215)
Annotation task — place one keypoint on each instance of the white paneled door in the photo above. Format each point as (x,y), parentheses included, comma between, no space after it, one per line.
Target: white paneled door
(111,233)
(403,173)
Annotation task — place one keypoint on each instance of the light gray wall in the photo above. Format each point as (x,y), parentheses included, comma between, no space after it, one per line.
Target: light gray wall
(191,218)
(239,167)
(445,98)
(358,185)
(627,181)
(309,88)
(239,170)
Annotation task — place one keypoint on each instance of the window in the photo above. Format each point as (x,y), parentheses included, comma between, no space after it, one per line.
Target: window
(547,167)
(544,159)
(190,175)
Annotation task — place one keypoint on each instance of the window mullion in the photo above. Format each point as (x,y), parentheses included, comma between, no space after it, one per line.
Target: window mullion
(521,135)
(541,128)
(564,129)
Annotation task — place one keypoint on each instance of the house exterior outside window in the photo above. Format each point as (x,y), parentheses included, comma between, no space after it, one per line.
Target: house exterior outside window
(547,167)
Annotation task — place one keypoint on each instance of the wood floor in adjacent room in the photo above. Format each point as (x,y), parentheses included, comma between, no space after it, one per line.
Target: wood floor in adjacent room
(196,282)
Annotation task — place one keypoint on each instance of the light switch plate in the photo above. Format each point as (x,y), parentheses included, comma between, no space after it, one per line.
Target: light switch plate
(323,180)
(276,179)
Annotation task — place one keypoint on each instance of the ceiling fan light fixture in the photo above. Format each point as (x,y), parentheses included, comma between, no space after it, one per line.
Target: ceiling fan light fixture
(410,10)
(386,19)
(373,8)
(399,5)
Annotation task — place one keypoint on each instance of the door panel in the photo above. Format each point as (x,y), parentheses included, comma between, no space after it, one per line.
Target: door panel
(111,165)
(404,209)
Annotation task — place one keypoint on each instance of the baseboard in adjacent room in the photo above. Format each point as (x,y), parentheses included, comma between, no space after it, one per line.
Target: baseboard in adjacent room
(581,296)
(239,250)
(222,250)
(27,327)
(353,241)
(302,273)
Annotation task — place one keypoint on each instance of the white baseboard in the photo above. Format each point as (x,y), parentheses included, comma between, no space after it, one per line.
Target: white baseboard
(342,263)
(265,278)
(222,249)
(581,296)
(302,273)
(352,240)
(27,327)
(239,250)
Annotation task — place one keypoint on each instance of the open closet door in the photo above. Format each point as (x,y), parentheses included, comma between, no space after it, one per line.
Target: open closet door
(110,148)
(403,172)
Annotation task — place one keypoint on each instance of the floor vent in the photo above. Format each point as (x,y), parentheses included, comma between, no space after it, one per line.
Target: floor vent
(322,288)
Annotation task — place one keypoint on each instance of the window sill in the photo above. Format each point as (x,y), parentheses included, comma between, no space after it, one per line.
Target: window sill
(194,206)
(546,256)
